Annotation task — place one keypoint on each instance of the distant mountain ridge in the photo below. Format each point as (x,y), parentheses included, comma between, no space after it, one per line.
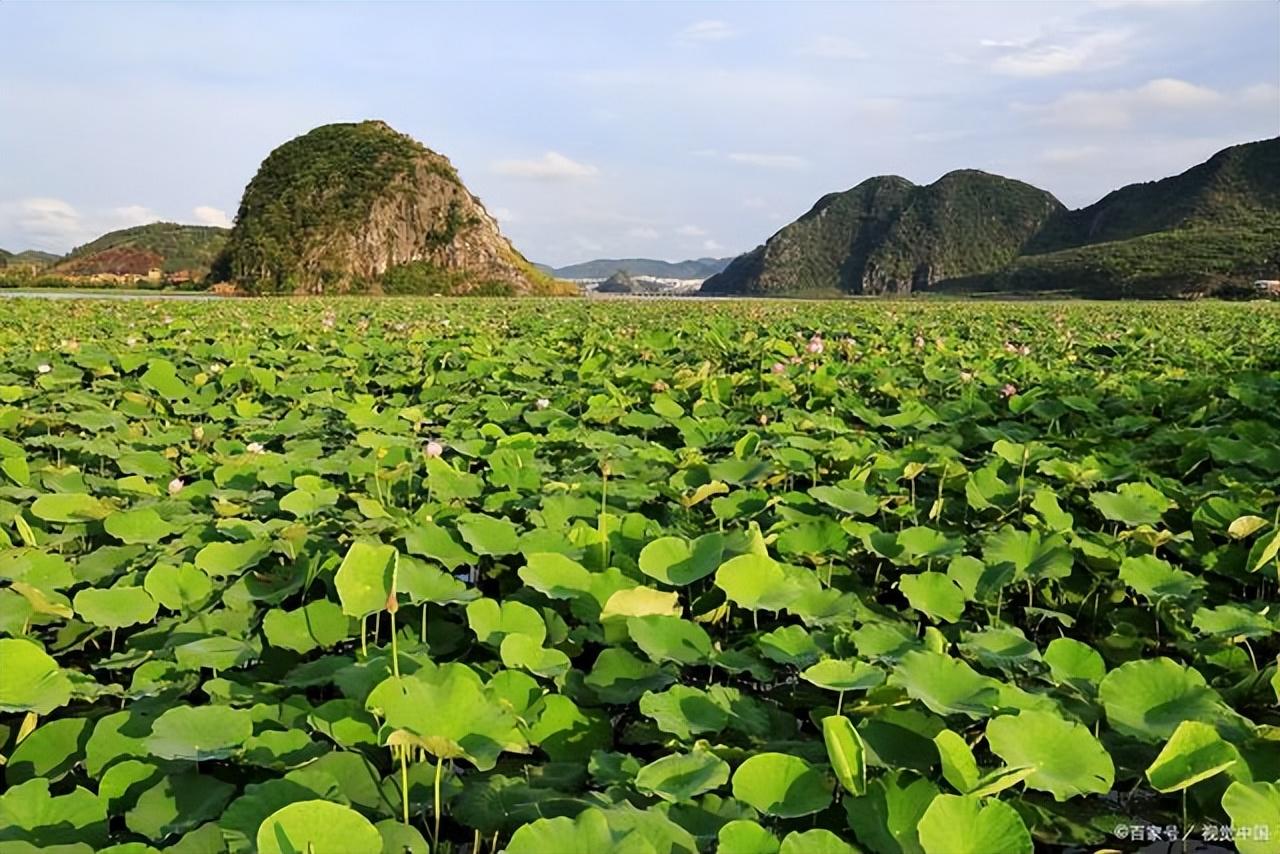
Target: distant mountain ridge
(602,268)
(1209,227)
(27,257)
(166,246)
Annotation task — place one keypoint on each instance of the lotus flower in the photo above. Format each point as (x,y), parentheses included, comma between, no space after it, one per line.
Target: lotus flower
(1024,350)
(1008,390)
(815,345)
(433,449)
(966,376)
(255,448)
(542,403)
(919,342)
(175,486)
(779,368)
(1010,347)
(43,368)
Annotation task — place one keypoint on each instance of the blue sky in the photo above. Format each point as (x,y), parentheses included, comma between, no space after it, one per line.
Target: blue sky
(665,130)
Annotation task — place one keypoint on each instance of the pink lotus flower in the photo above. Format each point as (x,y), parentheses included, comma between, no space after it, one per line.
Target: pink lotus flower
(1010,347)
(779,368)
(796,360)
(1024,350)
(815,345)
(433,449)
(1008,390)
(175,486)
(919,342)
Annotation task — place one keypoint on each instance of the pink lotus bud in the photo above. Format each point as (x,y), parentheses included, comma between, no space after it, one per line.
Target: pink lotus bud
(175,486)
(919,342)
(1024,350)
(433,449)
(779,368)
(815,345)
(1008,390)
(542,403)
(255,448)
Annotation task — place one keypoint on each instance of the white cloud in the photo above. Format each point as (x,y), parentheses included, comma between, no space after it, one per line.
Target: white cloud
(207,215)
(706,31)
(712,246)
(833,47)
(551,166)
(769,161)
(1121,108)
(643,233)
(691,231)
(1043,57)
(57,225)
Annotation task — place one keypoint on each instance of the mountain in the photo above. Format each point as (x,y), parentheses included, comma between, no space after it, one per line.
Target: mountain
(359,207)
(165,246)
(619,283)
(888,235)
(696,268)
(27,261)
(1214,225)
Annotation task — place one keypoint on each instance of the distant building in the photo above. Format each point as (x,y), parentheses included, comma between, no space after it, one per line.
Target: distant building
(1267,287)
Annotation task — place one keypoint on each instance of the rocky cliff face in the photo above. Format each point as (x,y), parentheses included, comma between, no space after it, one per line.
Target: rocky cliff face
(337,208)
(887,235)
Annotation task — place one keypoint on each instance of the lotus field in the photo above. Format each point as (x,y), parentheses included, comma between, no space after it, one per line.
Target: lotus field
(574,577)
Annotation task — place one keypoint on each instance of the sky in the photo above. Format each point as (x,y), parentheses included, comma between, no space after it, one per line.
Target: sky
(594,129)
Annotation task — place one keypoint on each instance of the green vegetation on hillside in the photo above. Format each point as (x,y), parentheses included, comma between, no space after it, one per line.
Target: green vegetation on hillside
(1209,229)
(179,247)
(889,235)
(323,182)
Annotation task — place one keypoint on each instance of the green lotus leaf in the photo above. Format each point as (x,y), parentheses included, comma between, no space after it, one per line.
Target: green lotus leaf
(422,582)
(1148,699)
(69,507)
(955,824)
(1132,504)
(1193,753)
(492,622)
(430,540)
(846,753)
(618,677)
(239,822)
(177,587)
(1071,661)
(487,535)
(837,674)
(684,711)
(756,582)
(855,502)
(198,733)
(30,680)
(1066,758)
(398,838)
(50,751)
(449,484)
(1029,554)
(589,833)
(640,602)
(450,711)
(946,685)
(935,595)
(666,638)
(924,543)
(1002,647)
(317,625)
(679,777)
(178,803)
(124,782)
(565,731)
(1255,806)
(523,652)
(781,785)
(555,575)
(816,841)
(29,812)
(959,768)
(1232,621)
(789,645)
(742,836)
(223,559)
(1156,578)
(366,578)
(216,652)
(138,526)
(115,607)
(317,827)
